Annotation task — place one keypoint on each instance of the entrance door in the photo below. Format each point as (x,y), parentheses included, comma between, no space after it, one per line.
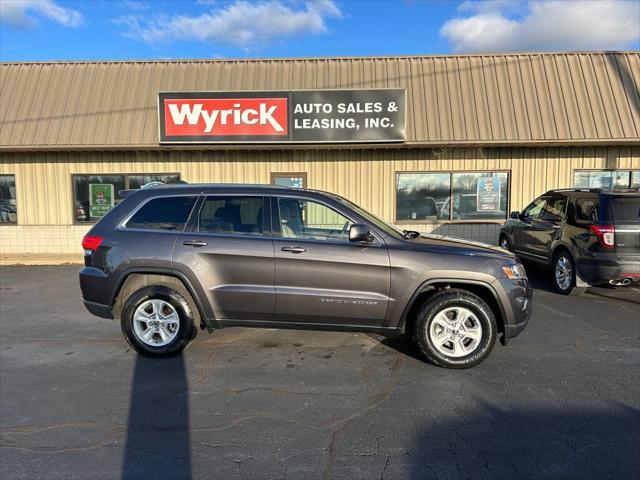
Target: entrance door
(322,277)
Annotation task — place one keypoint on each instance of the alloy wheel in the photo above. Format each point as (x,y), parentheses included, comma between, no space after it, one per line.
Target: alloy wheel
(563,273)
(455,332)
(156,323)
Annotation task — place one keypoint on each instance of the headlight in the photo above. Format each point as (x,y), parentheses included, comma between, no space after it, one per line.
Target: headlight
(515,272)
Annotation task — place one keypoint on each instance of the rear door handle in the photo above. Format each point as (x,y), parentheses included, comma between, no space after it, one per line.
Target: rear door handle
(195,243)
(294,249)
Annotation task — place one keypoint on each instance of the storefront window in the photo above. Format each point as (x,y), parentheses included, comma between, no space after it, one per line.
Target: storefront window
(285,179)
(422,196)
(95,195)
(635,179)
(602,179)
(8,210)
(429,197)
(479,196)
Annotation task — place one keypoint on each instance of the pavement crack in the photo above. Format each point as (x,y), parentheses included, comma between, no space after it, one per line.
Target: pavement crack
(384,393)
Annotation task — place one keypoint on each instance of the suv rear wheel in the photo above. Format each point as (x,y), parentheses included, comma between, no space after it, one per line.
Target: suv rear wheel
(455,329)
(157,321)
(564,275)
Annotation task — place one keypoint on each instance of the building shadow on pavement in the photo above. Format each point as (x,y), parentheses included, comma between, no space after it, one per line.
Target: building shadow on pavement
(552,444)
(158,441)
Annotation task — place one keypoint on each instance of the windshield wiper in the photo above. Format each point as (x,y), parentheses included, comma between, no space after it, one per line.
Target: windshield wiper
(410,234)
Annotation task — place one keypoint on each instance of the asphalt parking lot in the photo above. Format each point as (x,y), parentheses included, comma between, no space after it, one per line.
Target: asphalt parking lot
(561,401)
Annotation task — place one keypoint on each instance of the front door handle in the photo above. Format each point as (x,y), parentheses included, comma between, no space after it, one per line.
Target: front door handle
(294,249)
(195,243)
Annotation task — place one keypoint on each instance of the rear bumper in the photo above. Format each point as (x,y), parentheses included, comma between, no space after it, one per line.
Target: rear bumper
(595,271)
(94,283)
(98,309)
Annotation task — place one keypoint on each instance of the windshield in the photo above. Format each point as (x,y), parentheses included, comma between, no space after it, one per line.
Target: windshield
(378,222)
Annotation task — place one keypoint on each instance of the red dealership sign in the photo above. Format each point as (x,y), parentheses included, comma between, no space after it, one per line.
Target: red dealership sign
(296,116)
(223,117)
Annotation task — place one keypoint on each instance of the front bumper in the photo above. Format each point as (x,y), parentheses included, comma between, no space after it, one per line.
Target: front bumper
(517,305)
(512,331)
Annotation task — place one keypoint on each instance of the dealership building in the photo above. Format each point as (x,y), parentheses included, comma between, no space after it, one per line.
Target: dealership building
(438,144)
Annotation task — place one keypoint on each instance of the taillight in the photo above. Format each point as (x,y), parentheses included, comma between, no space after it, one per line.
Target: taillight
(91,242)
(606,234)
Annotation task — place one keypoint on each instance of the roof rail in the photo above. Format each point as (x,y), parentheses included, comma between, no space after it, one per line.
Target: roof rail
(596,190)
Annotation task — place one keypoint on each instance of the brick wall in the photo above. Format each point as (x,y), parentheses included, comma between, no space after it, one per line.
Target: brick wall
(62,239)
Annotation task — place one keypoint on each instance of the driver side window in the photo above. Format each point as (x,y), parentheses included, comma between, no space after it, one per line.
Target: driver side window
(309,220)
(534,209)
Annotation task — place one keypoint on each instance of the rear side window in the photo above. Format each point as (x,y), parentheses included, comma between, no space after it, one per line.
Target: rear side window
(587,210)
(166,213)
(625,210)
(233,215)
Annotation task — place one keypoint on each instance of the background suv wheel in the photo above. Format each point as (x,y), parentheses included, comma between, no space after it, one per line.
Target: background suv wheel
(564,275)
(504,242)
(455,329)
(157,321)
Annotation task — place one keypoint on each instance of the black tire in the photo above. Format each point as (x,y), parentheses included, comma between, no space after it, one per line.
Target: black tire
(447,299)
(565,257)
(185,330)
(505,239)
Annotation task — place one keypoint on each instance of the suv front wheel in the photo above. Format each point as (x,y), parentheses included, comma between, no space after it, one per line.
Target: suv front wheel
(157,321)
(564,275)
(455,329)
(504,242)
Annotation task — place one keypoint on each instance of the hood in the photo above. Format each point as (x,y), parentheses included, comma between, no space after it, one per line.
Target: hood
(460,246)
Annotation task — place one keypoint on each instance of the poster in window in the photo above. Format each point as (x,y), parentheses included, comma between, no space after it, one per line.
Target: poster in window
(488,194)
(100,199)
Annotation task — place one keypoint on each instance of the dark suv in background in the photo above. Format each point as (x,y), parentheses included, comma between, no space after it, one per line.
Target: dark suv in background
(169,258)
(585,236)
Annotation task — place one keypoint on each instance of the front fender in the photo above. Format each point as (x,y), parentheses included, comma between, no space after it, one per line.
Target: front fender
(488,283)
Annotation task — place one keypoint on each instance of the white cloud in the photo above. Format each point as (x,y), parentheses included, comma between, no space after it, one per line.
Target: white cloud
(242,24)
(499,26)
(134,5)
(24,13)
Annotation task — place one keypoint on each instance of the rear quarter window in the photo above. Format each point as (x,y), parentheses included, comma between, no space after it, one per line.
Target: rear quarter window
(587,210)
(165,213)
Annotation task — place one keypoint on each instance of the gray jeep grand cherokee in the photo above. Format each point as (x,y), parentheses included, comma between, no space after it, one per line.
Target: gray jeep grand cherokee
(169,258)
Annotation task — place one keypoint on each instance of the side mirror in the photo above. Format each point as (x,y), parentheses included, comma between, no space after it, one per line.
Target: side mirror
(515,215)
(359,232)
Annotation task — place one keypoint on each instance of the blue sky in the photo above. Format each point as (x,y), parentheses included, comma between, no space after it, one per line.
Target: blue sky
(162,29)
